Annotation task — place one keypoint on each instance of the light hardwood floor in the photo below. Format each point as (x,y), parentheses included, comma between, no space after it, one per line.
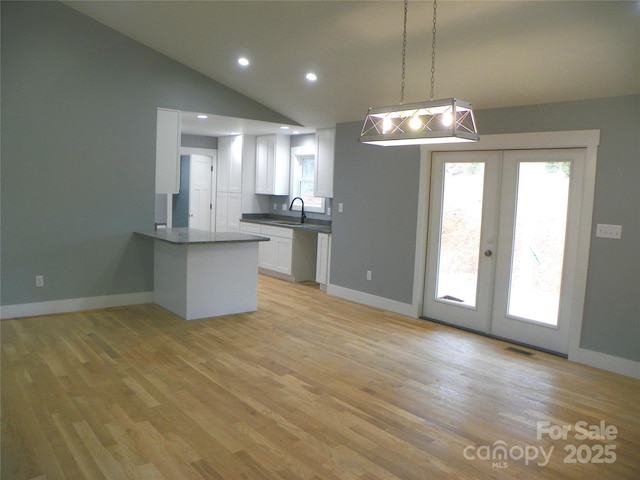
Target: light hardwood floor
(308,387)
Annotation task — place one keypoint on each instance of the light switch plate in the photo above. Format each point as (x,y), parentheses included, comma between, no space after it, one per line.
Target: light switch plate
(608,231)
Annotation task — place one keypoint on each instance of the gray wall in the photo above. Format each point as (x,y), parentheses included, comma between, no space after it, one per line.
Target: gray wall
(78,151)
(379,187)
(199,141)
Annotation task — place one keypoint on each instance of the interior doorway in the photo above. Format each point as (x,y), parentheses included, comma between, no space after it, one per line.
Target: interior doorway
(195,205)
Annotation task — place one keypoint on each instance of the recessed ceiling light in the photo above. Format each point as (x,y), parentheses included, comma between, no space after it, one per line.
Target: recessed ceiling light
(202,116)
(312,77)
(284,127)
(243,61)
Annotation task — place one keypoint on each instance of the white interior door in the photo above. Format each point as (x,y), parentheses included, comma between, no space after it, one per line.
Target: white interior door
(200,198)
(502,242)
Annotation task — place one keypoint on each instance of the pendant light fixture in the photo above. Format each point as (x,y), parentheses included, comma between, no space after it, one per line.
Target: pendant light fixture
(434,121)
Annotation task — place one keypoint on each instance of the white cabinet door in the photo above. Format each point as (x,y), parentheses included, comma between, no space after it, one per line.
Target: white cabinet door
(322,264)
(277,253)
(235,166)
(272,164)
(230,164)
(264,163)
(264,154)
(234,212)
(228,211)
(284,254)
(222,209)
(224,163)
(267,254)
(325,142)
(167,151)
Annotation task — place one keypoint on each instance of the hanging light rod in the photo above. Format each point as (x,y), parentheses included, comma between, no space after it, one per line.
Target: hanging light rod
(434,121)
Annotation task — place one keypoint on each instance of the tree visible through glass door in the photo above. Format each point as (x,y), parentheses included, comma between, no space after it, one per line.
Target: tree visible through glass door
(460,232)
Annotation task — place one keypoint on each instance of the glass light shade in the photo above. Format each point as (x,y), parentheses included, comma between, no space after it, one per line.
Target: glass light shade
(437,121)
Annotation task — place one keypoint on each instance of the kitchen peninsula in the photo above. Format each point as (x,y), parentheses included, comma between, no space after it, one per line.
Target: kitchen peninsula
(200,274)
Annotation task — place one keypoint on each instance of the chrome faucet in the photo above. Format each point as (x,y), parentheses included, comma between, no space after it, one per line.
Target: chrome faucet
(302,216)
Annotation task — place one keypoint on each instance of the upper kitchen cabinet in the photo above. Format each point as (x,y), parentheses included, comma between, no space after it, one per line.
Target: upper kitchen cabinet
(230,151)
(167,151)
(325,141)
(272,164)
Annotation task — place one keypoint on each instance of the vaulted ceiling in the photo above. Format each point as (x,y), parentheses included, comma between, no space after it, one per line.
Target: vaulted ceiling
(490,53)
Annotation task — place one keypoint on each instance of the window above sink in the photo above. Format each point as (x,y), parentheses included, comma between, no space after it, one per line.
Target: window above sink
(303,178)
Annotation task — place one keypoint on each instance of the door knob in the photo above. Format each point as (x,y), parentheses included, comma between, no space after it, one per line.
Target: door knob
(488,253)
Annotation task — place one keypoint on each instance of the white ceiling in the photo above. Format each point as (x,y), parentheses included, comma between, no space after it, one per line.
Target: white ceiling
(490,53)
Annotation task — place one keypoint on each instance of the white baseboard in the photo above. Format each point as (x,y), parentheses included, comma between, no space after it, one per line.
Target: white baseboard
(74,305)
(623,366)
(373,300)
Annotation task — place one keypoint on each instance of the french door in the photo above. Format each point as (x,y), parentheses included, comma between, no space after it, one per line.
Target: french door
(502,240)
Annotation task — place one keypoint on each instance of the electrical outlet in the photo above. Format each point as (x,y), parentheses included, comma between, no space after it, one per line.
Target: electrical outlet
(275,205)
(284,206)
(368,274)
(608,231)
(39,280)
(328,210)
(340,208)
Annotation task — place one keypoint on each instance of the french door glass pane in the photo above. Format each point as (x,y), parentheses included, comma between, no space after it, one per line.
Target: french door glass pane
(539,241)
(457,279)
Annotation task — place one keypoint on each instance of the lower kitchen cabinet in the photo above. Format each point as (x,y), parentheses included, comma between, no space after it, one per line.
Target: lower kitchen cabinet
(289,254)
(277,255)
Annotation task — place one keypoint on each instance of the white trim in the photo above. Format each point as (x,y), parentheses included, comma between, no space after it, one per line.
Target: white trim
(523,141)
(584,246)
(207,152)
(607,362)
(420,267)
(372,300)
(74,305)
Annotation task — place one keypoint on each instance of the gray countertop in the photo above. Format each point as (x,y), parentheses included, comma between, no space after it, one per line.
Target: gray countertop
(320,226)
(190,236)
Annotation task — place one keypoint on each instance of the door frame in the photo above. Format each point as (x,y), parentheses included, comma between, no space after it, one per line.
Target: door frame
(587,139)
